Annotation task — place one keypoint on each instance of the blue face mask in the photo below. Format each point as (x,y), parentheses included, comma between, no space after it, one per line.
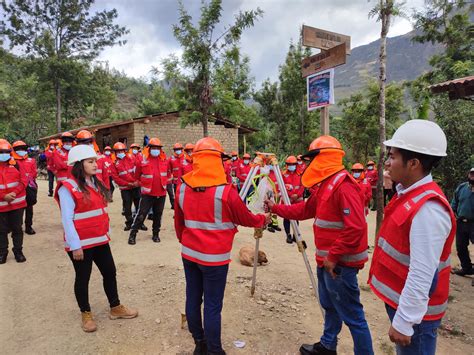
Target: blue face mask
(154,152)
(107,152)
(246,161)
(357,175)
(270,167)
(234,158)
(370,167)
(300,162)
(120,155)
(291,167)
(5,157)
(178,152)
(67,146)
(21,153)
(134,151)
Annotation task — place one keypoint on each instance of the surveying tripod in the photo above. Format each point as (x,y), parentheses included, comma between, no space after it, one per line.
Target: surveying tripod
(261,160)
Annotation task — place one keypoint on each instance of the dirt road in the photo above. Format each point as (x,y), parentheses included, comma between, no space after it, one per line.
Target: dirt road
(39,313)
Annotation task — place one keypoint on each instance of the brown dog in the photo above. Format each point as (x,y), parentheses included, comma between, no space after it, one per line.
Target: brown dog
(246,256)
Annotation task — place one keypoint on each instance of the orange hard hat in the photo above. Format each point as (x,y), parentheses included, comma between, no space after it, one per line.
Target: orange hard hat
(177,146)
(291,160)
(134,145)
(107,148)
(189,146)
(357,166)
(67,135)
(246,156)
(84,134)
(154,142)
(120,146)
(233,153)
(324,142)
(19,144)
(52,141)
(370,162)
(208,143)
(4,145)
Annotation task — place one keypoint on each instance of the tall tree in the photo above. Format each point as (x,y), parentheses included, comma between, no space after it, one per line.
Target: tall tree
(384,12)
(60,32)
(202,47)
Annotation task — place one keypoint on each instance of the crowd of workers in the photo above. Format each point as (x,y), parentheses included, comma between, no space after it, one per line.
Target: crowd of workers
(411,262)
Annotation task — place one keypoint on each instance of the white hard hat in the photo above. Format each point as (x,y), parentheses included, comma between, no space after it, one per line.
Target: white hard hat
(421,136)
(79,153)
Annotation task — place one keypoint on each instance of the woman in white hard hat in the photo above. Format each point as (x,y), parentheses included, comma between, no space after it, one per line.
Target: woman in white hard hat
(411,263)
(83,202)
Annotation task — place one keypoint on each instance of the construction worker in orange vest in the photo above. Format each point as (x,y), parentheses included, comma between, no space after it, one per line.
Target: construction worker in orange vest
(207,212)
(28,167)
(411,263)
(187,162)
(358,174)
(50,164)
(295,191)
(153,174)
(60,155)
(82,199)
(340,235)
(12,203)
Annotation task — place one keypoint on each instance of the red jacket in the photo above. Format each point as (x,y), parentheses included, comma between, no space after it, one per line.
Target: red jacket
(228,170)
(61,169)
(28,167)
(90,215)
(176,162)
(103,170)
(12,179)
(186,165)
(391,260)
(153,175)
(243,171)
(123,173)
(49,159)
(367,192)
(300,168)
(293,185)
(340,229)
(206,222)
(372,177)
(108,164)
(234,165)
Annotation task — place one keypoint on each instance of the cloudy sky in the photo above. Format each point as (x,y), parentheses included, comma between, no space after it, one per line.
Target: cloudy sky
(151,39)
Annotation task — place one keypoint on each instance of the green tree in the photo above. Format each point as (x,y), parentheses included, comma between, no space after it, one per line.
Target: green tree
(60,32)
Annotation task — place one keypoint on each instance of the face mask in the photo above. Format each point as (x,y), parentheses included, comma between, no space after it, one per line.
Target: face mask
(134,151)
(178,152)
(107,152)
(154,152)
(356,175)
(52,148)
(370,168)
(270,167)
(291,167)
(300,162)
(121,155)
(5,157)
(234,158)
(67,146)
(21,153)
(246,161)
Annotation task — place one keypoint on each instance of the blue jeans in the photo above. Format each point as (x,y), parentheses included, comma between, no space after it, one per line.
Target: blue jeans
(340,299)
(206,282)
(423,340)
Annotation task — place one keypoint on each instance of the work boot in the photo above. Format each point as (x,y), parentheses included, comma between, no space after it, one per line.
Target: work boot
(19,257)
(270,229)
(88,322)
(277,227)
(294,238)
(30,231)
(316,349)
(132,237)
(123,312)
(463,272)
(143,228)
(50,194)
(289,239)
(127,227)
(222,352)
(201,347)
(150,217)
(156,237)
(3,256)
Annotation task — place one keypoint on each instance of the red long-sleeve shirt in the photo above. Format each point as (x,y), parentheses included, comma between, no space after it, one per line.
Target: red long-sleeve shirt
(372,177)
(28,167)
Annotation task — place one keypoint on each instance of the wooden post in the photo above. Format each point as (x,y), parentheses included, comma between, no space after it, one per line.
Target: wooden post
(325,120)
(245,144)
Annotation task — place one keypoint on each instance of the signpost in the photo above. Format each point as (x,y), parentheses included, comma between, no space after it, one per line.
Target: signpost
(331,58)
(322,39)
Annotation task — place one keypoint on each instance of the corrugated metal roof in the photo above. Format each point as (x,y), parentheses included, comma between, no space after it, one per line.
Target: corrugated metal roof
(462,88)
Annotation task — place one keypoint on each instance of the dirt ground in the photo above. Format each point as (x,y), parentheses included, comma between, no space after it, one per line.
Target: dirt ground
(39,314)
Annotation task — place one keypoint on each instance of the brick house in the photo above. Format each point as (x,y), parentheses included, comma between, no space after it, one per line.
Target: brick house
(165,126)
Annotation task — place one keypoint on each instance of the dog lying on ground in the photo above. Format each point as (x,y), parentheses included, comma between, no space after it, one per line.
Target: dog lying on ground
(246,256)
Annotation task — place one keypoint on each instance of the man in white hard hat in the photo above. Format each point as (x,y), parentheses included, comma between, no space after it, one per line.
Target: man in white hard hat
(411,264)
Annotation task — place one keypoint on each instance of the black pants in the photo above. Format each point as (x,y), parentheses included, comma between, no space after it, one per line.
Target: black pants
(102,257)
(50,182)
(171,188)
(11,221)
(157,204)
(287,225)
(464,234)
(129,197)
(374,198)
(31,198)
(112,187)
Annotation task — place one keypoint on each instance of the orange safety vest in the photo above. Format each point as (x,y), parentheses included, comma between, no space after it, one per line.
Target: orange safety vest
(91,219)
(391,260)
(209,232)
(10,178)
(146,178)
(329,223)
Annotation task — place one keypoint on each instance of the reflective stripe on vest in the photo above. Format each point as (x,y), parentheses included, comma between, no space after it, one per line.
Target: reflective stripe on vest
(64,178)
(164,174)
(217,224)
(145,189)
(12,184)
(147,176)
(211,258)
(91,241)
(394,296)
(89,214)
(123,173)
(99,171)
(15,201)
(348,258)
(425,193)
(175,168)
(404,259)
(321,223)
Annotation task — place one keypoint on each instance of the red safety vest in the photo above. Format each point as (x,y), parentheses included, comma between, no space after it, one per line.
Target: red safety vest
(60,158)
(175,165)
(148,173)
(125,169)
(28,167)
(329,223)
(391,260)
(209,232)
(186,166)
(91,219)
(102,172)
(293,185)
(10,180)
(243,171)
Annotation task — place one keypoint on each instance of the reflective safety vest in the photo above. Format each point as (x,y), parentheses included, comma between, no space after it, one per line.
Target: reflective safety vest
(10,180)
(102,172)
(391,260)
(208,230)
(329,224)
(148,173)
(125,169)
(91,219)
(60,158)
(175,166)
(186,166)
(243,171)
(293,185)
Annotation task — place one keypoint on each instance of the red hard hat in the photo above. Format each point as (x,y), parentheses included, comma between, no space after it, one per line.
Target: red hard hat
(324,142)
(291,160)
(84,134)
(370,162)
(208,143)
(177,146)
(120,146)
(4,145)
(19,144)
(189,146)
(134,145)
(154,142)
(246,156)
(357,166)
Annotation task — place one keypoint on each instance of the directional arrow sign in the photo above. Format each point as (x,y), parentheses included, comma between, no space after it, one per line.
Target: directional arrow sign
(325,60)
(324,40)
